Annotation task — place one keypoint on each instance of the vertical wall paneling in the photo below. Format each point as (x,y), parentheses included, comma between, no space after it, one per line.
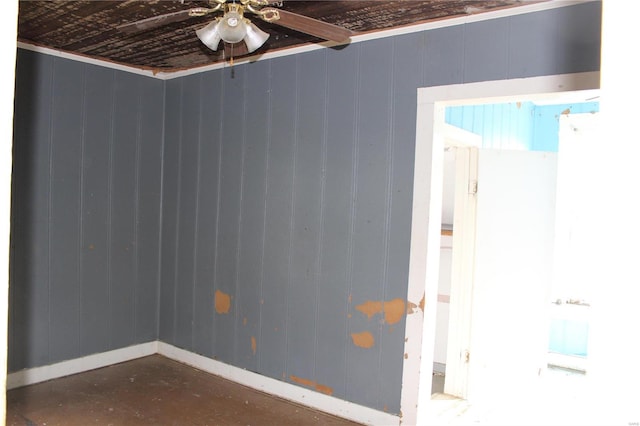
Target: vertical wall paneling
(84,138)
(123,214)
(485,50)
(207,215)
(407,76)
(442,51)
(578,43)
(248,288)
(196,219)
(66,140)
(230,220)
(306,218)
(173,90)
(149,178)
(95,337)
(29,287)
(186,220)
(333,283)
(275,275)
(368,261)
(543,47)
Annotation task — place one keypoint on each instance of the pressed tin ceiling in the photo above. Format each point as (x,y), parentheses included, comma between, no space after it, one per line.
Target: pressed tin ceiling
(90,27)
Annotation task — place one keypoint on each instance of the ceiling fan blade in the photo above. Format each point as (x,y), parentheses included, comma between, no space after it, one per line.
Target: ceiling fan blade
(309,25)
(232,50)
(157,21)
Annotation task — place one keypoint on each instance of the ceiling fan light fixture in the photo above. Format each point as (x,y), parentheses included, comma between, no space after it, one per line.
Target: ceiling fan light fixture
(232,28)
(255,37)
(209,35)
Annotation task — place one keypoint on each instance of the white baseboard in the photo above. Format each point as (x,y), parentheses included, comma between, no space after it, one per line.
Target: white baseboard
(278,388)
(35,375)
(284,390)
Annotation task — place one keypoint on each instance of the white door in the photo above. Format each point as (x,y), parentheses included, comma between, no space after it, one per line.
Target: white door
(462,265)
(515,216)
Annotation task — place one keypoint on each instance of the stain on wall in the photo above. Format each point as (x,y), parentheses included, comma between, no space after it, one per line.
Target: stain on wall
(364,339)
(312,384)
(254,345)
(393,310)
(223,302)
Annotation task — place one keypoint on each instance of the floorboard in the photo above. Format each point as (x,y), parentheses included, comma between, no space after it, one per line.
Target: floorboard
(154,390)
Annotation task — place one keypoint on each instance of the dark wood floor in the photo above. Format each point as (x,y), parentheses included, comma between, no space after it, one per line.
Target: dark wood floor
(153,391)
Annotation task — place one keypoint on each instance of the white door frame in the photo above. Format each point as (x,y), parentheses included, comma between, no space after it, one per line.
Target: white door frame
(427,206)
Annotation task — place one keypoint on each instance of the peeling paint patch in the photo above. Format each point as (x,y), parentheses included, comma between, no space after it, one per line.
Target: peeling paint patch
(566,111)
(421,305)
(324,389)
(254,345)
(310,383)
(363,340)
(393,310)
(223,302)
(411,307)
(370,308)
(406,356)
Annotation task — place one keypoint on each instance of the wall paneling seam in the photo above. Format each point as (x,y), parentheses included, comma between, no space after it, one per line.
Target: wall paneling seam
(80,250)
(264,214)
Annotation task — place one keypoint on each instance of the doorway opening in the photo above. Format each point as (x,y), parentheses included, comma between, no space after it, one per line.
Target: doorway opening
(427,235)
(559,130)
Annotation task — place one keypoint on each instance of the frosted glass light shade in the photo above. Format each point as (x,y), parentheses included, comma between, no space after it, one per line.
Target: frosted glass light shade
(255,37)
(232,27)
(209,35)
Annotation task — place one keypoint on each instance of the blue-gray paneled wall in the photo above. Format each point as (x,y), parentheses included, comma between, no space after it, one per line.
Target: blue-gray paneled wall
(282,243)
(87,169)
(287,196)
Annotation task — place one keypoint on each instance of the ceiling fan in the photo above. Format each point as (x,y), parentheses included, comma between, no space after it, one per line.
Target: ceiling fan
(239,34)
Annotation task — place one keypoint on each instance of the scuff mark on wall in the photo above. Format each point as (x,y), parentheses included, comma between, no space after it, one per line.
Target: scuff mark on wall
(223,302)
(363,340)
(312,384)
(254,345)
